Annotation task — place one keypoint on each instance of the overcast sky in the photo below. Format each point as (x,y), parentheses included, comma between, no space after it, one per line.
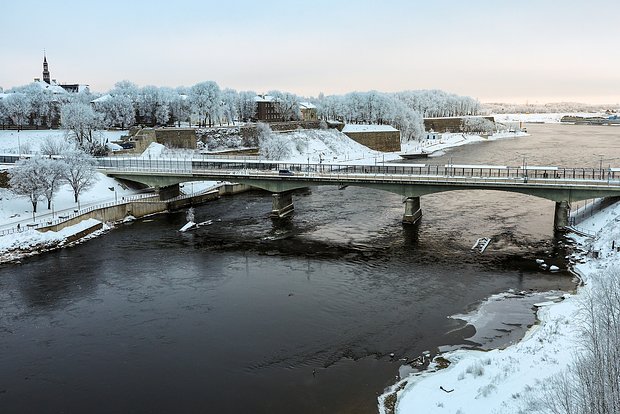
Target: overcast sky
(532,51)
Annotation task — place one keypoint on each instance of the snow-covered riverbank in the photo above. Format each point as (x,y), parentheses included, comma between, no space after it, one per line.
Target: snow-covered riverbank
(509,380)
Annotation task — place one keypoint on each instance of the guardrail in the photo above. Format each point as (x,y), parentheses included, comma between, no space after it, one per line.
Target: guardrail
(196,165)
(126,199)
(44,222)
(581,231)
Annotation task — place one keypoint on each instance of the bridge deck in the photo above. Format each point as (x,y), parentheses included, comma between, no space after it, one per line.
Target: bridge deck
(552,183)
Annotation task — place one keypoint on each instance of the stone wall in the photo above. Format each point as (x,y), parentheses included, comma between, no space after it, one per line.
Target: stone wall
(451,124)
(386,141)
(170,137)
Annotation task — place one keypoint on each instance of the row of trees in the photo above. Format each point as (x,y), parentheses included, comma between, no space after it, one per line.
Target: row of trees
(205,104)
(127,104)
(41,177)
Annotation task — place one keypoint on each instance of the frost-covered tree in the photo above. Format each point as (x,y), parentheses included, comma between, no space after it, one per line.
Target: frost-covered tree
(27,178)
(43,107)
(180,108)
(52,172)
(18,107)
(52,145)
(117,110)
(81,120)
(246,105)
(154,104)
(126,88)
(229,105)
(4,114)
(288,105)
(206,100)
(79,171)
(478,125)
(272,146)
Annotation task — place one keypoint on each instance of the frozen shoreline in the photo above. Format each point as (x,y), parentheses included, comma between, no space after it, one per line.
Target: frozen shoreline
(504,380)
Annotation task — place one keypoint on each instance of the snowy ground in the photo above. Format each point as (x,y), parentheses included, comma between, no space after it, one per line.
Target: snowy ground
(508,380)
(436,147)
(28,142)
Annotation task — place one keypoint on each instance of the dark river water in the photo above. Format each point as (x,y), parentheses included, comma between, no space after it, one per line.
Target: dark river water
(298,315)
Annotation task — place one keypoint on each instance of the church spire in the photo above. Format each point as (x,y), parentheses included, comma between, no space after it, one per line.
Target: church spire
(46,72)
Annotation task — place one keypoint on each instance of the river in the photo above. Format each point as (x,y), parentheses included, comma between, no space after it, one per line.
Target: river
(294,315)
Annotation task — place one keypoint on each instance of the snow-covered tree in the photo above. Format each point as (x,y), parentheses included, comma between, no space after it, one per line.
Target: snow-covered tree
(478,125)
(288,105)
(79,171)
(43,107)
(180,108)
(246,105)
(229,105)
(81,120)
(18,107)
(272,146)
(117,110)
(154,104)
(52,145)
(27,178)
(52,172)
(206,100)
(4,114)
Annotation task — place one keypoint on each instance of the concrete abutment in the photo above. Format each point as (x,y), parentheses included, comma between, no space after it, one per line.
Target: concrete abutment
(282,204)
(413,211)
(560,220)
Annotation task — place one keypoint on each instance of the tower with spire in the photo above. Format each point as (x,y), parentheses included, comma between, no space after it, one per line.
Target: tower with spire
(46,72)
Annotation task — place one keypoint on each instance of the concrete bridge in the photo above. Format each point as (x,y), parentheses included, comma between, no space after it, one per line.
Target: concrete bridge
(558,184)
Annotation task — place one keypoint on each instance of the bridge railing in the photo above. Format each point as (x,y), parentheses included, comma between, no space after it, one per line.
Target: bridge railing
(256,166)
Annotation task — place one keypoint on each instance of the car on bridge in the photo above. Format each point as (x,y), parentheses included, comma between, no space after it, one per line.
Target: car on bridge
(286,172)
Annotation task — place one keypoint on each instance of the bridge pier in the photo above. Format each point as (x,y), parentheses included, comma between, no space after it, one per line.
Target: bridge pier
(282,204)
(168,192)
(560,220)
(413,212)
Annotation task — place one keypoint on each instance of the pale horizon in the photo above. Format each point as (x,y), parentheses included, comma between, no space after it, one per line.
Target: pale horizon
(534,53)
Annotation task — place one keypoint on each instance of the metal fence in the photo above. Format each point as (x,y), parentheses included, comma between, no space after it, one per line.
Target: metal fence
(206,164)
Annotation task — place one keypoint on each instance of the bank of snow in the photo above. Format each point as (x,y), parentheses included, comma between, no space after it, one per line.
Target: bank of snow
(505,380)
(329,146)
(29,242)
(29,142)
(450,140)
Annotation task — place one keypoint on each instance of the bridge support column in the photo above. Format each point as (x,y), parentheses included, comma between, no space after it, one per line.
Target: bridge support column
(413,212)
(282,204)
(168,192)
(560,220)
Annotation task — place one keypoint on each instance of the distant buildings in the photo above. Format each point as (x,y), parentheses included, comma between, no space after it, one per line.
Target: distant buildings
(271,109)
(54,86)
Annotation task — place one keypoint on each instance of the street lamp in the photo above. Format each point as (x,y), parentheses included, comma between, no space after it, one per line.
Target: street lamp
(115,194)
